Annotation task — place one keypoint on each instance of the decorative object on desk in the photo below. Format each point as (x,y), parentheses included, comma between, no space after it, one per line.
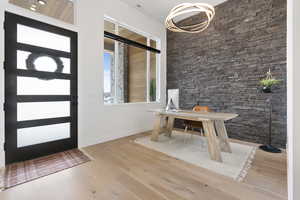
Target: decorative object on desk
(186,10)
(267,84)
(199,108)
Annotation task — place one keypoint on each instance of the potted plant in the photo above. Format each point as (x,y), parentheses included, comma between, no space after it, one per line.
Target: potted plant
(268,82)
(153,90)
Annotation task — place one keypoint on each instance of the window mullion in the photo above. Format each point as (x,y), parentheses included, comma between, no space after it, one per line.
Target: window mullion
(148,71)
(158,70)
(116,64)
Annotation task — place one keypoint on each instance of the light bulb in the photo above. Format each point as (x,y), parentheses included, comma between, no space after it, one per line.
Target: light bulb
(33,7)
(42,2)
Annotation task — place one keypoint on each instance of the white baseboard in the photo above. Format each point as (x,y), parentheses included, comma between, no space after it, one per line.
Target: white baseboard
(115,137)
(2,178)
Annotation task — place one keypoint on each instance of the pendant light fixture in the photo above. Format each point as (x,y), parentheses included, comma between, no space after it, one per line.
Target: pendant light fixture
(186,9)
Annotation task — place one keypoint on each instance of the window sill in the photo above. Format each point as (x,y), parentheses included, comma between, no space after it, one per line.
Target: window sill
(137,103)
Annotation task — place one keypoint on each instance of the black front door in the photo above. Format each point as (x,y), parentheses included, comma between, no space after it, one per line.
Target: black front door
(40,88)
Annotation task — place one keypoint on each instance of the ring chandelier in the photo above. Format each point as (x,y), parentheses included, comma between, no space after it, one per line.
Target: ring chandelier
(186,8)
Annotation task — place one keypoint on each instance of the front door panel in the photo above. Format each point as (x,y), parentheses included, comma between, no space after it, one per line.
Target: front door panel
(40,88)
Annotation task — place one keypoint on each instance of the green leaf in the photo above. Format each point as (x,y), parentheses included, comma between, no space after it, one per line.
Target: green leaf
(269,82)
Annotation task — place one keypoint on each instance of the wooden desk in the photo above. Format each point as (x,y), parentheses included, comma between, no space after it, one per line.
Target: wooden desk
(213,124)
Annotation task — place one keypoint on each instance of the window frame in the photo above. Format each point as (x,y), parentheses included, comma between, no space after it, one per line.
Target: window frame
(149,37)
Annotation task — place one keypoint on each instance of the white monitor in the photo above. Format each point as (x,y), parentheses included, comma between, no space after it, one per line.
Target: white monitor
(174,95)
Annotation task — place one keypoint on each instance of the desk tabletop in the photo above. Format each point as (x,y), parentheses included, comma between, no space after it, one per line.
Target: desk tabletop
(189,114)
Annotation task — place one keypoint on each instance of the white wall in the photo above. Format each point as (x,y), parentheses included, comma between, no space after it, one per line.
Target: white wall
(294,98)
(97,123)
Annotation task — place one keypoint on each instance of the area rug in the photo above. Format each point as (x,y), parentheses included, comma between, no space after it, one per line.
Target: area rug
(194,150)
(22,172)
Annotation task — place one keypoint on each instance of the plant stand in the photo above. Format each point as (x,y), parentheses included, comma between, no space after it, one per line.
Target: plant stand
(268,147)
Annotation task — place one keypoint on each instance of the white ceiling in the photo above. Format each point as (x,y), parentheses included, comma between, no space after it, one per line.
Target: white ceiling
(159,9)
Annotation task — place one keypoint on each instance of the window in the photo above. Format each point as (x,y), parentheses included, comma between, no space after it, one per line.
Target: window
(130,65)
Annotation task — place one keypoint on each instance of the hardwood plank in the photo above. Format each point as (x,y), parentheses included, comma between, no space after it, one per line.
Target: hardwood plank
(122,169)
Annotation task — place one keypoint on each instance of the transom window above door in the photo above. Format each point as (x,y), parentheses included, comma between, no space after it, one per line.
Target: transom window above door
(131,63)
(63,10)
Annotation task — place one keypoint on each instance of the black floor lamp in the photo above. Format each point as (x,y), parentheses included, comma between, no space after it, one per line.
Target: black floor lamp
(268,147)
(267,84)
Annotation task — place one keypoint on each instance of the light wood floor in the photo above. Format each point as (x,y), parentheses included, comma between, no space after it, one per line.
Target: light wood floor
(124,170)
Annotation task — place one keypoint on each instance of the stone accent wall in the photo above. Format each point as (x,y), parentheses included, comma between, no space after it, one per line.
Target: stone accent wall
(112,77)
(222,66)
(122,74)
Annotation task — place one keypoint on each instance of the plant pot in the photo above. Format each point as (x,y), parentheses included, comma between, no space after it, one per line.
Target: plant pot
(267,89)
